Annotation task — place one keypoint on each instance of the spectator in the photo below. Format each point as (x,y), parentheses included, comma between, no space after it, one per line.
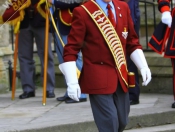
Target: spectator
(32,29)
(62,14)
(135,14)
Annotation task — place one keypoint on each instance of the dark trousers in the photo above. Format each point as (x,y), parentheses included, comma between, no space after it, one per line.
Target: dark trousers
(173,65)
(134,92)
(27,37)
(110,111)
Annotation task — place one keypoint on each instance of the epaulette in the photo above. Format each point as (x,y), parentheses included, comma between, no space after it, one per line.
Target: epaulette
(66,16)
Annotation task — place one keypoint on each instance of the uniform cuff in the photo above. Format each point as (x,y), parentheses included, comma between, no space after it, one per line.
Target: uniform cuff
(165,8)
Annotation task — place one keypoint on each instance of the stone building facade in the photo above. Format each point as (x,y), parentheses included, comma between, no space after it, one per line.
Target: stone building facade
(6,52)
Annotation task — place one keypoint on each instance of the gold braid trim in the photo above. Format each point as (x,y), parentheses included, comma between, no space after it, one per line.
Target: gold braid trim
(40,9)
(65,23)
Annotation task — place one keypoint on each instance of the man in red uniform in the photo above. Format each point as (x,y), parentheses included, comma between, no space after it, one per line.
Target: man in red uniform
(104,43)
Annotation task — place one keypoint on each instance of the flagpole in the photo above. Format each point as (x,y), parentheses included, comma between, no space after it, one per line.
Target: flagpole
(14,66)
(45,57)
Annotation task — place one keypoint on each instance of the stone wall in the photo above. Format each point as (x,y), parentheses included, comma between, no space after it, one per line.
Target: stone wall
(5,52)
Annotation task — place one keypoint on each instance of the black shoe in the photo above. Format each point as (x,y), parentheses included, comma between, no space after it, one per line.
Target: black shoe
(27,95)
(173,105)
(50,94)
(63,98)
(134,102)
(69,100)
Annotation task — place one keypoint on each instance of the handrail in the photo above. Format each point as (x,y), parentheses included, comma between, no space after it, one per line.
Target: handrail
(146,20)
(153,3)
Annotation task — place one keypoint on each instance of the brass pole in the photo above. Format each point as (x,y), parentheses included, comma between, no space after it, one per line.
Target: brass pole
(14,66)
(45,57)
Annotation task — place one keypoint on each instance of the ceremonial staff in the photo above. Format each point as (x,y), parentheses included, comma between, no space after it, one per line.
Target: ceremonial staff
(14,66)
(45,55)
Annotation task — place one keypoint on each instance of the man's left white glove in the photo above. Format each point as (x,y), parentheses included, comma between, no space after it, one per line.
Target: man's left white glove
(69,71)
(139,60)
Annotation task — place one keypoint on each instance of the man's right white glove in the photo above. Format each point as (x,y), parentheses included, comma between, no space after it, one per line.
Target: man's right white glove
(167,18)
(69,71)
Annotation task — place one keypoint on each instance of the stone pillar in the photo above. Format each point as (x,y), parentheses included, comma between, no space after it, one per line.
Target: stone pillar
(6,52)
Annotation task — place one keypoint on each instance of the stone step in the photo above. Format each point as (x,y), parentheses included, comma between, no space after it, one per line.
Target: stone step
(153,112)
(29,116)
(156,60)
(162,128)
(162,74)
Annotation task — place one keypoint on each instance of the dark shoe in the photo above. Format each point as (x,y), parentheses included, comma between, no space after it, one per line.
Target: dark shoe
(173,105)
(69,100)
(27,95)
(134,102)
(50,94)
(63,98)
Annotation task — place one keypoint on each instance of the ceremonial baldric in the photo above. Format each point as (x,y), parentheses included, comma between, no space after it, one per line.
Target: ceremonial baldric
(110,36)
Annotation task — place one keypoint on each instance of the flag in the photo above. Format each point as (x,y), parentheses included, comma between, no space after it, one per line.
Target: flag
(14,13)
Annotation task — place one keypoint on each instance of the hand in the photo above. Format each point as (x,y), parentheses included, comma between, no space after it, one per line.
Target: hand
(146,75)
(74,91)
(69,71)
(50,1)
(167,18)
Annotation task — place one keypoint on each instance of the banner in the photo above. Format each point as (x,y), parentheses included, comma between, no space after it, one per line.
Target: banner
(14,13)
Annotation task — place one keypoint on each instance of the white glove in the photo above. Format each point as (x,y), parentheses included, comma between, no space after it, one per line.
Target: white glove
(167,18)
(139,60)
(69,71)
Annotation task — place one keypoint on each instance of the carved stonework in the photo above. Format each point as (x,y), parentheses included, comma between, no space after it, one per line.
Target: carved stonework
(3,76)
(2,7)
(4,35)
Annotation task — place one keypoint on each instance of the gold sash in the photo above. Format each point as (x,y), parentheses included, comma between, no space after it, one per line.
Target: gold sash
(110,36)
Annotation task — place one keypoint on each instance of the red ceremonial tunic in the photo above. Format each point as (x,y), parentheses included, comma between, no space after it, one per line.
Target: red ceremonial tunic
(99,74)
